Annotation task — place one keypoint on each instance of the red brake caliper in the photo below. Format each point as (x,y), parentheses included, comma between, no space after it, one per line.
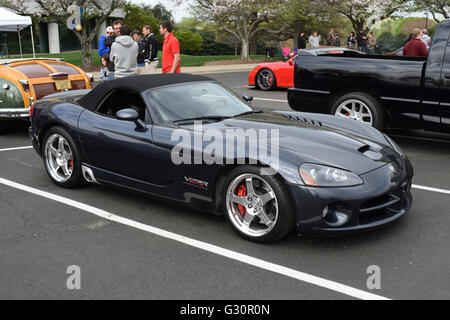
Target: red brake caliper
(242,192)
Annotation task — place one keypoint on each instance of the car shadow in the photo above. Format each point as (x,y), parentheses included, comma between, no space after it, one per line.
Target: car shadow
(189,222)
(17,128)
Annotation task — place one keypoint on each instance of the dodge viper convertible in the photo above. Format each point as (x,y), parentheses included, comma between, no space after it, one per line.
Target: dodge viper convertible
(272,75)
(332,176)
(25,81)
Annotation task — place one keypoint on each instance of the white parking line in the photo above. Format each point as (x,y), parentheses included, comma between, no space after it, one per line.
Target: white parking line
(416,186)
(17,148)
(258,263)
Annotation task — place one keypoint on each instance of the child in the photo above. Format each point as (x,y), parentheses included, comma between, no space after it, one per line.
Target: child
(106,73)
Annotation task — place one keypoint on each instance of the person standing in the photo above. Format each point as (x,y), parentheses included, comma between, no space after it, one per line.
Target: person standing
(140,57)
(112,37)
(314,40)
(124,53)
(361,38)
(171,49)
(415,46)
(105,73)
(351,41)
(371,42)
(337,40)
(150,50)
(331,38)
(301,41)
(426,38)
(102,49)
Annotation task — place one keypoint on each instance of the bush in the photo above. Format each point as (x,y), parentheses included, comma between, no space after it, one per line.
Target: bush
(190,43)
(211,47)
(389,42)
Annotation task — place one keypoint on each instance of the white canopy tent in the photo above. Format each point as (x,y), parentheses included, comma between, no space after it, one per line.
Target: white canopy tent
(11,22)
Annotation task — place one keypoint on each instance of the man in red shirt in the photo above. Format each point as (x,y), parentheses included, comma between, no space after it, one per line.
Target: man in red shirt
(415,46)
(171,49)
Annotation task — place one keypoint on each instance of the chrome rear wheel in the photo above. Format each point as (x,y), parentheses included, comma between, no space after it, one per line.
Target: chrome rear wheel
(58,158)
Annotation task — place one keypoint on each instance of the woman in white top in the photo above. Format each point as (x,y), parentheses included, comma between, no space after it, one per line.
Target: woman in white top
(314,40)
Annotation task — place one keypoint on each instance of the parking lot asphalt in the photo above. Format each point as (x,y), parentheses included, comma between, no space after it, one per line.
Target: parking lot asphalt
(40,238)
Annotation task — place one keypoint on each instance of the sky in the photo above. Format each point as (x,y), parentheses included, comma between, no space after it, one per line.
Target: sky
(178,12)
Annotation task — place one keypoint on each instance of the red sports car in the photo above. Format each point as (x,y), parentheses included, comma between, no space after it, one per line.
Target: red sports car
(271,75)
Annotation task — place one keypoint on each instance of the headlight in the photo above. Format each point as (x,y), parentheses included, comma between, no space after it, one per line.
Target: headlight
(315,175)
(394,145)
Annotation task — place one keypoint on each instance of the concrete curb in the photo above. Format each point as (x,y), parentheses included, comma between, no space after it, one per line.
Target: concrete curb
(206,69)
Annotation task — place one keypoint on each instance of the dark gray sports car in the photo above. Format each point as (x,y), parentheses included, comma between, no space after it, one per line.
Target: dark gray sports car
(191,140)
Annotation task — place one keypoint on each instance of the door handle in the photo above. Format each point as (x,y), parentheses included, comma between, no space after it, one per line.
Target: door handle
(447,76)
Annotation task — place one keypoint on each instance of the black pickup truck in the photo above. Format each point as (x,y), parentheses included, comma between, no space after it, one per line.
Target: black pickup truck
(382,90)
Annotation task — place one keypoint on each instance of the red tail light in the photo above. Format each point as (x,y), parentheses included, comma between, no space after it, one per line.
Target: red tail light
(31,106)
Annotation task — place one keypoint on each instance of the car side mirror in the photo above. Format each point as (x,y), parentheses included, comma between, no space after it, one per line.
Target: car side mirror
(291,62)
(130,115)
(127,115)
(247,97)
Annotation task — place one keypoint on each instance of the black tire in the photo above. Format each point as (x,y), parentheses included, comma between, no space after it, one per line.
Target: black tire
(261,85)
(76,179)
(285,222)
(372,103)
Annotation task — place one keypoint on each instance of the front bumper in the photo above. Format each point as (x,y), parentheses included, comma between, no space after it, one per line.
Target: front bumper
(15,113)
(384,197)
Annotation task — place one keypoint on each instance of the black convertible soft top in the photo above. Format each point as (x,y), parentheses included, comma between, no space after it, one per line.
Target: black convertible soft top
(136,83)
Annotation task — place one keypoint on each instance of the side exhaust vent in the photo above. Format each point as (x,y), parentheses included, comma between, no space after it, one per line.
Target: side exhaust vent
(88,175)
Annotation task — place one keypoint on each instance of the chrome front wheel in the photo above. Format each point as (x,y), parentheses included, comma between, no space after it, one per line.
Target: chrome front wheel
(252,205)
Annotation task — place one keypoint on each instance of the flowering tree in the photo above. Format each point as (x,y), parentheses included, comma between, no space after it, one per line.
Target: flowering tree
(242,18)
(436,7)
(362,13)
(60,11)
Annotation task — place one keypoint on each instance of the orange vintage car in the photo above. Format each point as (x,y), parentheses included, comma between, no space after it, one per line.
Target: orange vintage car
(25,81)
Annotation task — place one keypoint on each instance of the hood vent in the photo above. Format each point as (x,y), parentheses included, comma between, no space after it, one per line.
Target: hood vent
(370,153)
(304,120)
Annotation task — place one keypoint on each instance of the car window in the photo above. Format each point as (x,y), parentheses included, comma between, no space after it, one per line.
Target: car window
(123,99)
(61,67)
(201,99)
(33,70)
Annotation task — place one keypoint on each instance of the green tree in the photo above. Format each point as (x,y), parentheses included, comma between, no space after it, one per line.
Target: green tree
(161,13)
(139,16)
(190,43)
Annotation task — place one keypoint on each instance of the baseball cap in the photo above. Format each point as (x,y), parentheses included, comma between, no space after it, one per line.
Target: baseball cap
(109,29)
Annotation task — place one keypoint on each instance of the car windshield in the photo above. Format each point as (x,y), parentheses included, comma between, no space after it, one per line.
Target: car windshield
(198,100)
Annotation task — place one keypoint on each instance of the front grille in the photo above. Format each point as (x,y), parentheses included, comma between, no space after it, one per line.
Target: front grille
(384,206)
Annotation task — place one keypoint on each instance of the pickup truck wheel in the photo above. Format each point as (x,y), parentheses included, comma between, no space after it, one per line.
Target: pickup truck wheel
(361,107)
(265,80)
